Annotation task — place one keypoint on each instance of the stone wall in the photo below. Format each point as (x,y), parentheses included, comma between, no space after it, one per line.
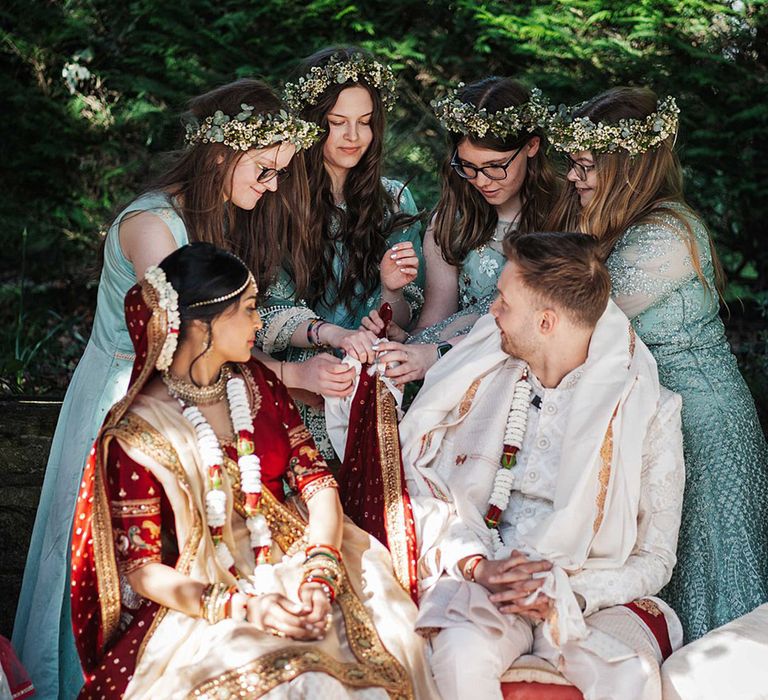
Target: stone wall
(26,430)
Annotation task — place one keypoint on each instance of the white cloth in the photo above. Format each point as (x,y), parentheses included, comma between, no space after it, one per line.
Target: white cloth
(728,662)
(468,662)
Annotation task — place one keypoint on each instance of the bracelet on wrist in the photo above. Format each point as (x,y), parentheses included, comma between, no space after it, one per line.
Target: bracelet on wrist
(214,601)
(326,548)
(313,329)
(470,566)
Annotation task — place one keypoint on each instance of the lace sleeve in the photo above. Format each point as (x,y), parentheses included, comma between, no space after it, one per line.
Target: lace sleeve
(281,313)
(650,565)
(650,261)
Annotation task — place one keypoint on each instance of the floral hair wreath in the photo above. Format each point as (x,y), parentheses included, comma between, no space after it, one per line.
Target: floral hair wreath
(248,130)
(308,89)
(571,134)
(465,118)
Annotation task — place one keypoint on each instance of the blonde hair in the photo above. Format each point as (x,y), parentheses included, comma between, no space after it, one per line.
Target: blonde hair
(631,190)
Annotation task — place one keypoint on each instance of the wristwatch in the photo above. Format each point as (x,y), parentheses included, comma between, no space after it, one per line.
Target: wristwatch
(443,348)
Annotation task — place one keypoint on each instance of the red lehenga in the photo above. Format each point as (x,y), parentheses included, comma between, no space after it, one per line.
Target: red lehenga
(141,500)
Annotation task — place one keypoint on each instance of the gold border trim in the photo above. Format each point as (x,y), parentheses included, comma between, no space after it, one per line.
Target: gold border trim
(394,508)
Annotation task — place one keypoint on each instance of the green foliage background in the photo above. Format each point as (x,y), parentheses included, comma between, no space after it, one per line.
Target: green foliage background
(91,91)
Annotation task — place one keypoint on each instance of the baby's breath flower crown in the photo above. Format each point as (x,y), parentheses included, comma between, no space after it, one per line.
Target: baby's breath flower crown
(308,89)
(466,118)
(248,130)
(572,134)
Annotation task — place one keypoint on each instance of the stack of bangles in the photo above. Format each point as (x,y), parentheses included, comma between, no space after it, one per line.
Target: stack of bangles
(470,566)
(323,567)
(313,333)
(216,602)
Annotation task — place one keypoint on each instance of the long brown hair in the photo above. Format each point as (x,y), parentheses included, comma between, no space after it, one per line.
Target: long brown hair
(463,220)
(631,189)
(198,177)
(363,225)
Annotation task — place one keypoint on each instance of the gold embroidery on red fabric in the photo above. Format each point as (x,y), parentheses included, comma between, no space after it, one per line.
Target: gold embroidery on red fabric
(136,508)
(313,487)
(254,395)
(394,506)
(144,437)
(298,434)
(650,606)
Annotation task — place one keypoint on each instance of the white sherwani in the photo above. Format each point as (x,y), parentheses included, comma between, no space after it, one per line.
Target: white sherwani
(614,471)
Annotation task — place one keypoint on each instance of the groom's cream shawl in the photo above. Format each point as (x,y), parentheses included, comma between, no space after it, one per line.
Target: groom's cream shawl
(594,523)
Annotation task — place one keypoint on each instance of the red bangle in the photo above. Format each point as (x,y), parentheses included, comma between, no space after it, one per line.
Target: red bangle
(471,570)
(323,547)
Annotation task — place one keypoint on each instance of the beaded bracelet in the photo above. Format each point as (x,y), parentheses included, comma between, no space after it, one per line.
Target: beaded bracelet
(313,332)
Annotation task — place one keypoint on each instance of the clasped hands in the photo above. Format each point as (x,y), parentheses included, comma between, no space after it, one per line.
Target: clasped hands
(305,620)
(511,581)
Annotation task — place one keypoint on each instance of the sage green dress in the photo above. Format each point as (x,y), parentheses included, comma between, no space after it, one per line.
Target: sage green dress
(722,568)
(42,632)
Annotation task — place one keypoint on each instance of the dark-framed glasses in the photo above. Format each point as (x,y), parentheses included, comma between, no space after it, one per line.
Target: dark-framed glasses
(580,169)
(492,172)
(268,174)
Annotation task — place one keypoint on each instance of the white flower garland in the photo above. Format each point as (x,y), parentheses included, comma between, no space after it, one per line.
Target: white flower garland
(168,300)
(248,463)
(517,421)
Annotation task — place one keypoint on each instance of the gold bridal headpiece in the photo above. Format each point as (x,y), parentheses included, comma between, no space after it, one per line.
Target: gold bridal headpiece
(248,130)
(308,89)
(465,118)
(572,134)
(225,297)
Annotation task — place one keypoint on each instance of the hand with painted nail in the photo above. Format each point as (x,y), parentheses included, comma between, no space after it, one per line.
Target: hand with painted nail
(399,266)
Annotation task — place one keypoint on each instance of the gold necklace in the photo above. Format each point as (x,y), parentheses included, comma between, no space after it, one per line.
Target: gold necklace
(187,392)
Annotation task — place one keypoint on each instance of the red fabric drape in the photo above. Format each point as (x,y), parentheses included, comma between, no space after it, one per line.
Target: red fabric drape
(372,480)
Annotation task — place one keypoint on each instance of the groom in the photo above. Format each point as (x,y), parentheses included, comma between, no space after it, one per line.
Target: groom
(545,467)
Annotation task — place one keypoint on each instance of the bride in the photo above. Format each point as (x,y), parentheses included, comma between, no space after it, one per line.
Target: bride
(193,573)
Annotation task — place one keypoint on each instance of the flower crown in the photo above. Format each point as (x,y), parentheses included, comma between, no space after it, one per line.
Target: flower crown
(465,118)
(248,130)
(571,134)
(307,89)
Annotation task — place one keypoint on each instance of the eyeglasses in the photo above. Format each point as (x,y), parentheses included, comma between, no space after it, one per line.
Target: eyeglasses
(268,174)
(492,172)
(580,169)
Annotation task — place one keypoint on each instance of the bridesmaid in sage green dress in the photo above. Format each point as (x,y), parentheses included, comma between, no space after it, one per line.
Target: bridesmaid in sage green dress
(665,273)
(242,166)
(496,180)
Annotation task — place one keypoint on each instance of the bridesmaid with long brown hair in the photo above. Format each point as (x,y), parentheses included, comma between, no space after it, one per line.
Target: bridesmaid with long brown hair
(222,189)
(362,246)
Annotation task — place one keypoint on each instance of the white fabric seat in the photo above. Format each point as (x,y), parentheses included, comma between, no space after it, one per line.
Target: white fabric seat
(729,662)
(532,669)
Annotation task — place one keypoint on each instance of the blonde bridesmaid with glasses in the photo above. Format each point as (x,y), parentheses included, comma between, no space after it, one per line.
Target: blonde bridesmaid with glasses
(626,189)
